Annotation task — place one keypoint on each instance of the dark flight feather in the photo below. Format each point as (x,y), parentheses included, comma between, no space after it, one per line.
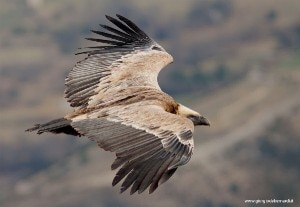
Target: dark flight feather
(119,105)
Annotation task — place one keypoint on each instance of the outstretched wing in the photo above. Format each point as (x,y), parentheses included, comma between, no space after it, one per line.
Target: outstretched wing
(149,142)
(130,58)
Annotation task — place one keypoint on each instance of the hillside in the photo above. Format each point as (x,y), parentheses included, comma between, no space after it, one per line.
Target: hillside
(237,62)
(230,159)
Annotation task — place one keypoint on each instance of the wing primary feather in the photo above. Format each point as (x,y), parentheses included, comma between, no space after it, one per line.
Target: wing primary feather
(94,47)
(183,159)
(115,37)
(142,174)
(123,172)
(131,165)
(105,41)
(118,32)
(132,26)
(131,177)
(128,181)
(107,49)
(90,52)
(135,153)
(159,173)
(122,26)
(149,177)
(166,176)
(138,173)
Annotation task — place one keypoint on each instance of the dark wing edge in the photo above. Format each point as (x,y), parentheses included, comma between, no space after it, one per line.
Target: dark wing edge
(145,159)
(127,35)
(85,76)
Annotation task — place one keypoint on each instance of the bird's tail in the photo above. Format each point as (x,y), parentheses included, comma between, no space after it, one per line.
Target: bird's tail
(56,126)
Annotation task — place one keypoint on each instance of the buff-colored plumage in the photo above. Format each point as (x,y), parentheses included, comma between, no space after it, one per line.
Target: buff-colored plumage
(118,104)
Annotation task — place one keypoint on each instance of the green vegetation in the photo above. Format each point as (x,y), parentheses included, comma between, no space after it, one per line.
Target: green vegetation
(293,62)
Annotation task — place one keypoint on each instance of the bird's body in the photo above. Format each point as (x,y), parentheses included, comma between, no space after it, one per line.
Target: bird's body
(118,104)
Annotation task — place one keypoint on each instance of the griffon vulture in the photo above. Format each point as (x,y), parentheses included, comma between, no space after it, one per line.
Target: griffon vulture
(118,104)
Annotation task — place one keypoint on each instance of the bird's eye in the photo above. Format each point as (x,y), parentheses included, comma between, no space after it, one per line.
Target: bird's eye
(156,48)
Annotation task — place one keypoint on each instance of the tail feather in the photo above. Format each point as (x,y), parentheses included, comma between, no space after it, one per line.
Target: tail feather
(56,126)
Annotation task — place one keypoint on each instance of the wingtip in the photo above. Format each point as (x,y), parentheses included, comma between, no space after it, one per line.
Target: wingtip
(114,182)
(152,188)
(110,18)
(141,191)
(93,31)
(122,189)
(37,126)
(120,16)
(151,191)
(132,192)
(114,166)
(124,19)
(28,130)
(116,179)
(102,25)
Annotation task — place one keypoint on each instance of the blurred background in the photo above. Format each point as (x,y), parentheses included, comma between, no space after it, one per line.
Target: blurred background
(236,61)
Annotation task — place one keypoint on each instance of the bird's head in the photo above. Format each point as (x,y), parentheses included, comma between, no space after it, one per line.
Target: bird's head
(194,116)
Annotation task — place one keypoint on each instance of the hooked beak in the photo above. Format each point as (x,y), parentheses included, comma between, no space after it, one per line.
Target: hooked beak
(203,121)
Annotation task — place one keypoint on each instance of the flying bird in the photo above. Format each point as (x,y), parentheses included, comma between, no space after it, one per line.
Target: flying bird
(118,104)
